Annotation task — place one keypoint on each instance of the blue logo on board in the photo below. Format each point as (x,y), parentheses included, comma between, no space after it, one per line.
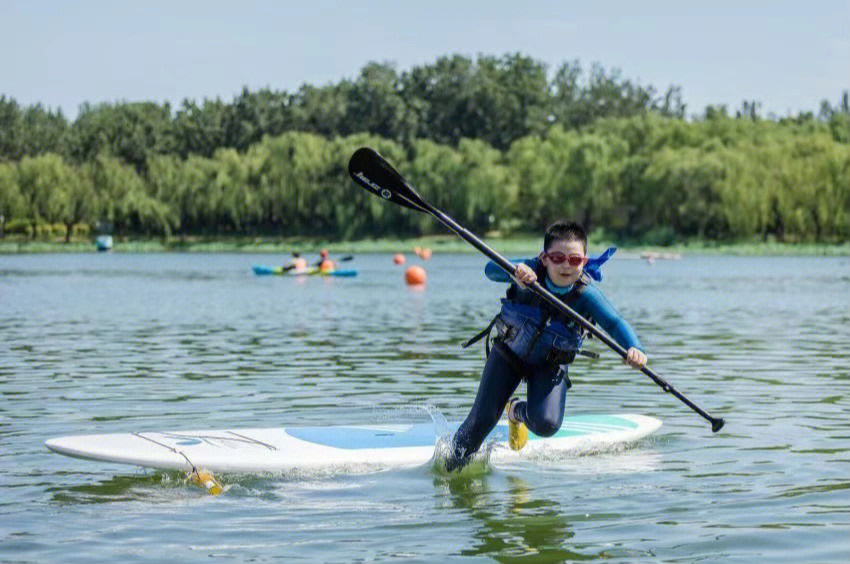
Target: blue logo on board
(189,442)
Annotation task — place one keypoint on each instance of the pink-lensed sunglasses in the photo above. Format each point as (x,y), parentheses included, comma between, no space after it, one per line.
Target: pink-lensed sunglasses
(558,258)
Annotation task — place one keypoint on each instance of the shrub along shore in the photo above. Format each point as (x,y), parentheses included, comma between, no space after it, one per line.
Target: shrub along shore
(513,246)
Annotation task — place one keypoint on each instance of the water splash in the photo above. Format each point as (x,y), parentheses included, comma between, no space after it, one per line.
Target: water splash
(440,423)
(479,462)
(402,414)
(411,414)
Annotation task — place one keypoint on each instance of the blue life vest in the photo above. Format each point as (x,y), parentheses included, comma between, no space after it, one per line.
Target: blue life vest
(533,332)
(536,334)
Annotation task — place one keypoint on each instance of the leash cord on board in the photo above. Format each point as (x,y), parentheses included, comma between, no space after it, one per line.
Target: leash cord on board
(203,478)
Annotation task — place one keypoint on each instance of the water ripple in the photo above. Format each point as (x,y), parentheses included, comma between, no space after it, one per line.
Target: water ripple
(117,343)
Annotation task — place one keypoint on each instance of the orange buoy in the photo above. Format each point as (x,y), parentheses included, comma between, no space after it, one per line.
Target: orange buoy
(425,254)
(417,251)
(399,259)
(414,276)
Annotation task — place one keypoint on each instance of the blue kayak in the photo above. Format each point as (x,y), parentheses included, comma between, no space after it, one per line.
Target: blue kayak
(263,270)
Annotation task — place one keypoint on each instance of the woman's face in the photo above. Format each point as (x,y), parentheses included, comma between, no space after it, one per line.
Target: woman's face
(564,274)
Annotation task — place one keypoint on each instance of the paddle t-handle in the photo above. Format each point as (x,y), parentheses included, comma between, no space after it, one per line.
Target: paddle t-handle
(371,171)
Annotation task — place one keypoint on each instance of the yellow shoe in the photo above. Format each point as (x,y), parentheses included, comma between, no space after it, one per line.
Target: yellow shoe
(205,479)
(517,431)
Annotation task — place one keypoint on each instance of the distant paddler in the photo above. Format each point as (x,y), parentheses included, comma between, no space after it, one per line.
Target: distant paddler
(325,264)
(298,265)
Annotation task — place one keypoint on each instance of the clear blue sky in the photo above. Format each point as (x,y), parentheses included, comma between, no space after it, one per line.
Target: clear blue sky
(787,55)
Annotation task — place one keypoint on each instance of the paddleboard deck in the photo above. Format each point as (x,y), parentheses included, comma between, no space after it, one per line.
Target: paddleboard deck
(347,447)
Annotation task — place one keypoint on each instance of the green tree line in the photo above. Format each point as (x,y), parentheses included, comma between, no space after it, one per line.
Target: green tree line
(492,140)
(495,99)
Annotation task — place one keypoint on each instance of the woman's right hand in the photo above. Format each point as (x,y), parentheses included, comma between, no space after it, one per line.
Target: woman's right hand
(524,276)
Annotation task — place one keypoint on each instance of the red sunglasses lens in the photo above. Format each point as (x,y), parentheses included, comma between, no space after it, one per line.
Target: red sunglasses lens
(558,258)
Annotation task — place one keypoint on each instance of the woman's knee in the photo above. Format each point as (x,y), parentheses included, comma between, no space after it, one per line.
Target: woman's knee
(543,424)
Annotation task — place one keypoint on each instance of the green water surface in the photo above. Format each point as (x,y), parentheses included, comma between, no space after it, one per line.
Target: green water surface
(96,343)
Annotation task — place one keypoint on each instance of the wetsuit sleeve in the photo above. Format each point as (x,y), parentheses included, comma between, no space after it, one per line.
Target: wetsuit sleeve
(495,273)
(596,305)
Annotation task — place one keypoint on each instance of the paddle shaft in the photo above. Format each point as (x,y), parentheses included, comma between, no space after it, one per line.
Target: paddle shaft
(375,174)
(549,298)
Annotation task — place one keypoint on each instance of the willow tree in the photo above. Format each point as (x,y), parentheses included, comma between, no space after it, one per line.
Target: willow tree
(357,212)
(237,203)
(123,199)
(12,203)
(44,183)
(533,172)
(81,201)
(490,184)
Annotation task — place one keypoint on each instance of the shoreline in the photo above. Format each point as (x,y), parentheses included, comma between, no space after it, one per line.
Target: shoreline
(438,244)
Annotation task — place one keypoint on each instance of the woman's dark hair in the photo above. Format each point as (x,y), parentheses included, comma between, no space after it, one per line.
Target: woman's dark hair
(564,231)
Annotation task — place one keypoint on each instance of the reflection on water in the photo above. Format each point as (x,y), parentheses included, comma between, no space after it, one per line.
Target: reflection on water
(150,487)
(117,343)
(512,524)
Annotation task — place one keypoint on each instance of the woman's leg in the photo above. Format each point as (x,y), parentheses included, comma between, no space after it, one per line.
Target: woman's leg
(499,380)
(543,413)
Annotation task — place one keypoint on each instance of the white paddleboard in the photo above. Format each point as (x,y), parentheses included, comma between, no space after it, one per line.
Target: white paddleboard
(350,448)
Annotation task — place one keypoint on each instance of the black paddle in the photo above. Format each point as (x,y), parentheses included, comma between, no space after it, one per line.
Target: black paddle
(371,171)
(343,259)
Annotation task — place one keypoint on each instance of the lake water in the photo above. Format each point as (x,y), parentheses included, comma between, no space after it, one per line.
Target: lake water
(124,342)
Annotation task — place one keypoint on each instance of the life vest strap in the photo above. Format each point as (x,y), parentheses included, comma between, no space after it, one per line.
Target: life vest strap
(516,362)
(481,335)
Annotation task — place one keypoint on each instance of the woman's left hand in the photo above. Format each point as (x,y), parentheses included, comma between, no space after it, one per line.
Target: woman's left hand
(635,358)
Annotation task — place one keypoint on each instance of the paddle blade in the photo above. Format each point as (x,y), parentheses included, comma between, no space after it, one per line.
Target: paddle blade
(717,424)
(371,171)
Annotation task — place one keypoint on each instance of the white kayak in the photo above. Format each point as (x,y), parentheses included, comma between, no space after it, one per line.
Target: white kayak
(348,448)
